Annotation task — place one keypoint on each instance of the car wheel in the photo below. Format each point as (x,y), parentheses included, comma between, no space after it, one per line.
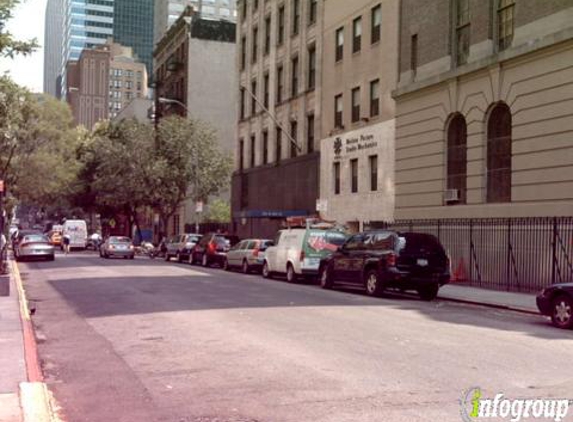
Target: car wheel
(205,261)
(226,265)
(132,257)
(373,283)
(167,257)
(51,258)
(266,271)
(290,274)
(245,267)
(326,281)
(428,293)
(179,258)
(562,312)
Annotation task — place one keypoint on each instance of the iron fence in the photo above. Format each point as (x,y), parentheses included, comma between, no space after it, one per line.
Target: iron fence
(513,254)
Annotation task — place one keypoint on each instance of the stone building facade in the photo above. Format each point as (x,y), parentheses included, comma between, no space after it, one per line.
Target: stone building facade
(360,45)
(484,109)
(279,113)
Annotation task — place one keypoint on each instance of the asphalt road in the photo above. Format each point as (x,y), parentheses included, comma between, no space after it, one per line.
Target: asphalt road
(150,341)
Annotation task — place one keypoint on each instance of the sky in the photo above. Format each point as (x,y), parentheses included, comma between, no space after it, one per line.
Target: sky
(28,22)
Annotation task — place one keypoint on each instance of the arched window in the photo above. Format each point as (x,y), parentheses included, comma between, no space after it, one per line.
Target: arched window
(457,157)
(499,154)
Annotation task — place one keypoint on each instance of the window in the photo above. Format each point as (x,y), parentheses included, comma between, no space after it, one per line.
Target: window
(295,17)
(279,144)
(374,98)
(255,44)
(281,26)
(252,151)
(255,5)
(462,31)
(457,155)
(294,77)
(244,11)
(354,175)
(266,90)
(376,24)
(293,141)
(312,11)
(505,21)
(499,154)
(355,105)
(312,67)
(338,111)
(280,76)
(310,132)
(356,35)
(339,44)
(414,54)
(265,151)
(243,53)
(267,35)
(373,161)
(242,108)
(336,177)
(241,154)
(253,98)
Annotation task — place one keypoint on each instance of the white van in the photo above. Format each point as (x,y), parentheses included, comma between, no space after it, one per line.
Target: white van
(298,252)
(77,230)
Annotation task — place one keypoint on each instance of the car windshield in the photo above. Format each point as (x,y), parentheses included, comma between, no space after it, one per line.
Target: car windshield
(413,243)
(35,238)
(119,240)
(193,239)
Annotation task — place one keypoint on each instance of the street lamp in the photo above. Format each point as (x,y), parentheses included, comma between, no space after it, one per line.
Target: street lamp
(164,100)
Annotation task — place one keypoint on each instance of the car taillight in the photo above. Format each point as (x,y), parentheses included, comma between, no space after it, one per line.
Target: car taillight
(302,255)
(391,260)
(211,248)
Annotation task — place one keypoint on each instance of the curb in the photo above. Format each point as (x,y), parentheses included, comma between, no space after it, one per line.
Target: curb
(36,400)
(490,305)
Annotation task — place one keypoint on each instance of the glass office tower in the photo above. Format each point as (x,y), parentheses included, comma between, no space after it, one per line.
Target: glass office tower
(133,27)
(87,23)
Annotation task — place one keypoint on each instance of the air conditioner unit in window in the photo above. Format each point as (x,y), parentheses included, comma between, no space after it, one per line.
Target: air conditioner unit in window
(452,195)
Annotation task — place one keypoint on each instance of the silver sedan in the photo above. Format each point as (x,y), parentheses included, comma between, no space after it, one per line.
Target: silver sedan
(34,246)
(120,246)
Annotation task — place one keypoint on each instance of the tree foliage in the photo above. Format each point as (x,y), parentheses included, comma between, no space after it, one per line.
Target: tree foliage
(219,212)
(9,46)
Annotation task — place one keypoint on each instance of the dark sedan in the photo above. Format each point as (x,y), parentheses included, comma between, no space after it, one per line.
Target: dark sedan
(556,301)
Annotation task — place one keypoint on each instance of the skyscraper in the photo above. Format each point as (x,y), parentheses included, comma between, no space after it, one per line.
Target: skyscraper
(167,12)
(87,23)
(133,27)
(53,46)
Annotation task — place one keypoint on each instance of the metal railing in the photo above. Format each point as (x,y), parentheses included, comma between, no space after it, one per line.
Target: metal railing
(512,254)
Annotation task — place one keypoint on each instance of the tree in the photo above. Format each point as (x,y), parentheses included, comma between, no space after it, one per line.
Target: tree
(219,212)
(9,46)
(187,164)
(118,165)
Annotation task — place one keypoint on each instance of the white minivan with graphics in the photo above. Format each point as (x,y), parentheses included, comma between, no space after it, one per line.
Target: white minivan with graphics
(297,252)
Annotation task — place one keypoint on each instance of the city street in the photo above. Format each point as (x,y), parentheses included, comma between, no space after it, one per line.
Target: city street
(144,340)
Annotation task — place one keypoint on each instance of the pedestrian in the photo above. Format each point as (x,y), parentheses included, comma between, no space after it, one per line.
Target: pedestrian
(66,240)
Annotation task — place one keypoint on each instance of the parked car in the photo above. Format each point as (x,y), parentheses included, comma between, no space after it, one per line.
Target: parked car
(212,249)
(298,252)
(556,301)
(180,246)
(34,246)
(120,246)
(381,260)
(249,255)
(19,235)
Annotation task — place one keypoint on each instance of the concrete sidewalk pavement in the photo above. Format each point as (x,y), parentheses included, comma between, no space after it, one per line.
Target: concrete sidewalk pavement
(12,361)
(521,302)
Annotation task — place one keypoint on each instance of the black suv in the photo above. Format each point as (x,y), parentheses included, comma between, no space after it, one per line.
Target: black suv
(212,249)
(381,260)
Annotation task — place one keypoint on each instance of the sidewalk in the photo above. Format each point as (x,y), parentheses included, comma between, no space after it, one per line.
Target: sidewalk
(12,361)
(521,302)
